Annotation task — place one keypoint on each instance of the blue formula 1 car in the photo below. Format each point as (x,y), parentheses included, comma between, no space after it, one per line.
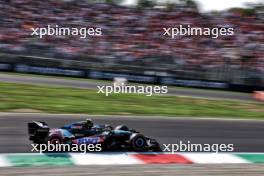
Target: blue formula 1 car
(85,132)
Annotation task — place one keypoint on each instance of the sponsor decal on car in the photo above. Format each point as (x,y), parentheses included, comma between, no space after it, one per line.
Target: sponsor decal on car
(88,140)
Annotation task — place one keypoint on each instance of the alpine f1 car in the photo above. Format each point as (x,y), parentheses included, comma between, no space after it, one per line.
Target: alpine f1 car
(85,132)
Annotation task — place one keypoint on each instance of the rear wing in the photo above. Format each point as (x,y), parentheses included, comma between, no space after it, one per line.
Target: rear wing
(38,131)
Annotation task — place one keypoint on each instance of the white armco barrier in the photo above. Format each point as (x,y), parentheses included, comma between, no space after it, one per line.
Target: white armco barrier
(120,81)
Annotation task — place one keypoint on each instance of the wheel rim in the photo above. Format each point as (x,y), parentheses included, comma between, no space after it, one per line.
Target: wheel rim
(55,141)
(140,142)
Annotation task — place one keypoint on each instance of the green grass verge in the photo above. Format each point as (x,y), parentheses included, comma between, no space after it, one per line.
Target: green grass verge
(110,81)
(73,100)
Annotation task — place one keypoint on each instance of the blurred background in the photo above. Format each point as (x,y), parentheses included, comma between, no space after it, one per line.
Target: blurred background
(132,40)
(132,46)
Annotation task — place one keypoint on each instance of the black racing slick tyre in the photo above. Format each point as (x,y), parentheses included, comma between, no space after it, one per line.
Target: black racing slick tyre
(55,140)
(138,142)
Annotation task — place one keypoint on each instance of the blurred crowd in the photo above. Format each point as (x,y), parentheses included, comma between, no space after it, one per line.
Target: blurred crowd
(132,34)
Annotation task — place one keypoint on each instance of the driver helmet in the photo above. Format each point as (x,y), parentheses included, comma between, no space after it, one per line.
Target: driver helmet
(89,123)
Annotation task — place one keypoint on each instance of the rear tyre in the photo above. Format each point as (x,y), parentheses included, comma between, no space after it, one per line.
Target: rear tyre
(55,140)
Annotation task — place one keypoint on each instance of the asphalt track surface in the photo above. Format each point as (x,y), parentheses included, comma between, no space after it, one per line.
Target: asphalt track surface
(247,136)
(146,170)
(87,84)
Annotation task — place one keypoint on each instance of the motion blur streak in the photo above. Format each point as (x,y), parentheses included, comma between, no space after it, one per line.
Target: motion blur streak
(85,84)
(146,170)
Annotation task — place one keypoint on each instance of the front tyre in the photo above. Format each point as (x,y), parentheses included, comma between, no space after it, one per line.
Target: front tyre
(138,142)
